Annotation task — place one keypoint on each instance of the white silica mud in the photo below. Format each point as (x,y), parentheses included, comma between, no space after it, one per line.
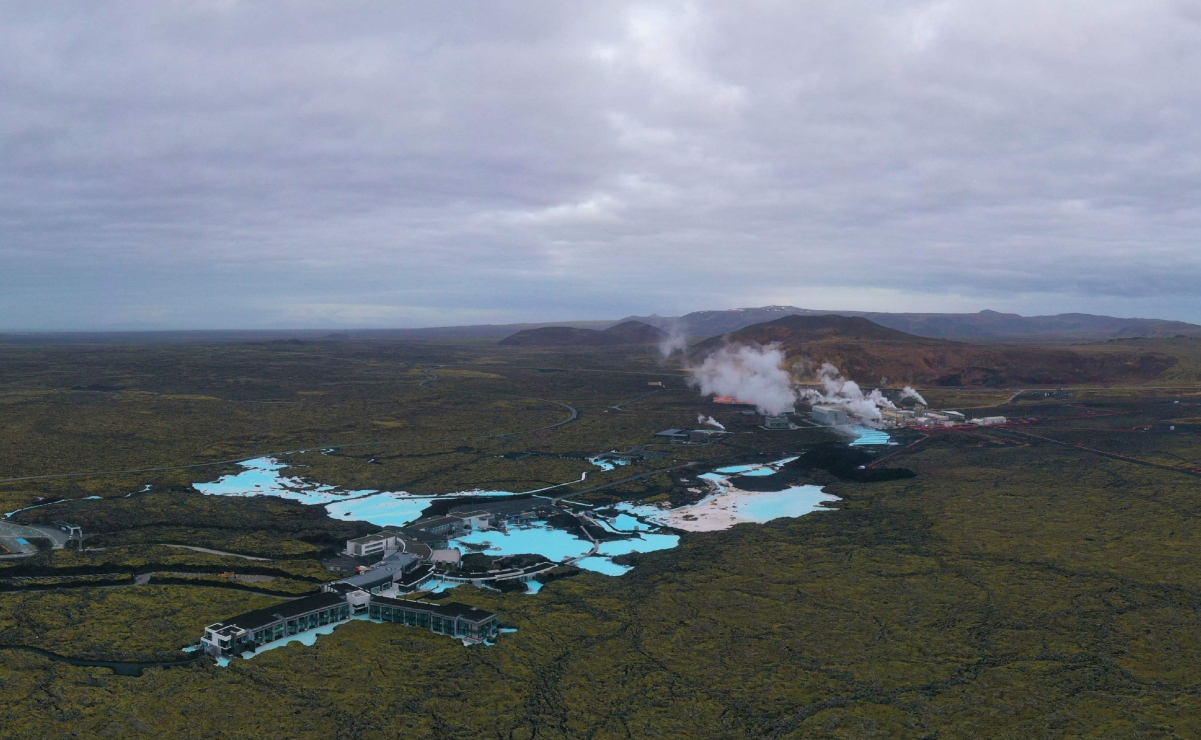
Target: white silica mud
(728,505)
(641,526)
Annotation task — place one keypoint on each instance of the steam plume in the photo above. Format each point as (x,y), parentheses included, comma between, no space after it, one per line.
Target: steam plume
(753,374)
(702,419)
(838,391)
(908,392)
(674,342)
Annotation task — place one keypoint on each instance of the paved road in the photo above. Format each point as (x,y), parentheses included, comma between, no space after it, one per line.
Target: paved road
(433,378)
(619,406)
(1111,455)
(18,538)
(601,487)
(218,552)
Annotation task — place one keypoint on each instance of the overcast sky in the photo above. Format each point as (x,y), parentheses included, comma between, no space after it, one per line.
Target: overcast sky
(174,164)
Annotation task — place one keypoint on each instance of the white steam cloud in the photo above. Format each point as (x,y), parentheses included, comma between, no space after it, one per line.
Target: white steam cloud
(838,391)
(908,392)
(702,419)
(752,374)
(675,341)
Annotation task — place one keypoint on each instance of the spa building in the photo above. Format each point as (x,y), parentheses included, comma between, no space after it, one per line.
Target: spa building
(253,630)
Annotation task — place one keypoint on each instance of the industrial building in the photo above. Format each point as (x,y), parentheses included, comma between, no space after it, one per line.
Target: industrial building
(831,416)
(989,421)
(915,415)
(777,421)
(896,417)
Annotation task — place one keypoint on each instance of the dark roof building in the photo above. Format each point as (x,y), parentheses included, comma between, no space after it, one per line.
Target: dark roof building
(388,541)
(442,525)
(692,436)
(250,631)
(412,579)
(503,509)
(467,623)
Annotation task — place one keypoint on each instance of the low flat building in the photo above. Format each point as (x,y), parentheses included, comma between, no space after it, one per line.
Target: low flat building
(779,421)
(443,526)
(896,417)
(414,579)
(252,630)
(512,511)
(476,519)
(692,436)
(419,542)
(71,530)
(388,541)
(371,544)
(467,623)
(990,421)
(382,576)
(338,602)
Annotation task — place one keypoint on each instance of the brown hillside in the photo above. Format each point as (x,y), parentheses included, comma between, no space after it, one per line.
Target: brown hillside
(873,354)
(628,332)
(635,332)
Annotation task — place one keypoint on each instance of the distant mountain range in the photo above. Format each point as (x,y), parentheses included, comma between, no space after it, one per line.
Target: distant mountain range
(988,326)
(869,353)
(985,326)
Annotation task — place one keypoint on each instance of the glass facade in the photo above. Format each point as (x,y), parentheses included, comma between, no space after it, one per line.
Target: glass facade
(296,625)
(414,616)
(451,626)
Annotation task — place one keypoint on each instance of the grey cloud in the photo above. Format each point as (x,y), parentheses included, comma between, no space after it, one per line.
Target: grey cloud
(242,164)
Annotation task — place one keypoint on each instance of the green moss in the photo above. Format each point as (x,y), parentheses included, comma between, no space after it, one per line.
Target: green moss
(1013,589)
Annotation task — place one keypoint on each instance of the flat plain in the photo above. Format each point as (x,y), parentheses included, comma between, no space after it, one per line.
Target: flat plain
(1040,580)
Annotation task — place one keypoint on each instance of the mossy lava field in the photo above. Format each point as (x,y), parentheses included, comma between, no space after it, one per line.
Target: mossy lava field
(1035,580)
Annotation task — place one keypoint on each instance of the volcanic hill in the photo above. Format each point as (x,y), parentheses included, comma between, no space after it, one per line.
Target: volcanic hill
(869,353)
(627,332)
(984,326)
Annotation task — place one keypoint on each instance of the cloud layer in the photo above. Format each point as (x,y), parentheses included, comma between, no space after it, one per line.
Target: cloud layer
(236,164)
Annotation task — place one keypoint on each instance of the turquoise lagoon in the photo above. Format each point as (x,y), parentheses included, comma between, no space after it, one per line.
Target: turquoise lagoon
(865,436)
(642,524)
